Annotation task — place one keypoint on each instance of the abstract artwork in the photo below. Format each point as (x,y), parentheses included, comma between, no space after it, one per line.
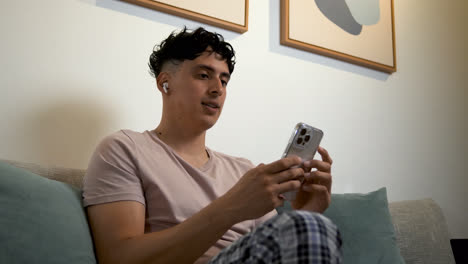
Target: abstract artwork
(356,31)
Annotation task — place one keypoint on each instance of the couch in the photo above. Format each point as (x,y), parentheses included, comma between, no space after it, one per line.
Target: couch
(419,226)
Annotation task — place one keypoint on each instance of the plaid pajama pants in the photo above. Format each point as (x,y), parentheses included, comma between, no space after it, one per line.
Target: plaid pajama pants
(290,237)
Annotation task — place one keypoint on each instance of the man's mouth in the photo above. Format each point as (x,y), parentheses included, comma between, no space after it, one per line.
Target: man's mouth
(212,105)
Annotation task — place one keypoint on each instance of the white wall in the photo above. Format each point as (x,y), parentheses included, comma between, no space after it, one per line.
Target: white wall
(73,71)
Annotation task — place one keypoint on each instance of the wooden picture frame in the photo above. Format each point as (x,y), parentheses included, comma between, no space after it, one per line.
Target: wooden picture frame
(311,26)
(228,14)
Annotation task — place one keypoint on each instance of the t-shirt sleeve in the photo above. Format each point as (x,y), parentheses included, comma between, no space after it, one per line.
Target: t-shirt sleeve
(112,174)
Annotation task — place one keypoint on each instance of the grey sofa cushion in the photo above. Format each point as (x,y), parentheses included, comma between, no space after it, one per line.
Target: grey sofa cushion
(421,231)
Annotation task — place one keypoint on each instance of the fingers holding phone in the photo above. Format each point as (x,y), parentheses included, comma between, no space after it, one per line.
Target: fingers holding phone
(303,143)
(325,155)
(319,171)
(259,190)
(315,192)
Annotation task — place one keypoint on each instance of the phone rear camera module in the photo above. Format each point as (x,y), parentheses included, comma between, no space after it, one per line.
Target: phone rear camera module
(299,141)
(307,138)
(303,131)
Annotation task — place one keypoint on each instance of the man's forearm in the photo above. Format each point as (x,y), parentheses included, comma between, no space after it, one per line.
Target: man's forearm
(183,243)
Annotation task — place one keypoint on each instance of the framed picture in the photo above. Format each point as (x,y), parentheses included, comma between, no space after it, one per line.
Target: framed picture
(229,14)
(359,32)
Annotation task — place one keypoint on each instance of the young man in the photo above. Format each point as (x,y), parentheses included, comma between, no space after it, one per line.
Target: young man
(162,196)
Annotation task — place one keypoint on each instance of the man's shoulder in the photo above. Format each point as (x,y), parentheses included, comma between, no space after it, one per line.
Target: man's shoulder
(235,160)
(124,138)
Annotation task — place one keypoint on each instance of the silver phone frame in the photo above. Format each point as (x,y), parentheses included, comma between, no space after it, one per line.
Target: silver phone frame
(297,128)
(292,194)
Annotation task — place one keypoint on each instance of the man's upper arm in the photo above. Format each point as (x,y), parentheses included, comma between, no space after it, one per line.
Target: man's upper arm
(114,222)
(112,174)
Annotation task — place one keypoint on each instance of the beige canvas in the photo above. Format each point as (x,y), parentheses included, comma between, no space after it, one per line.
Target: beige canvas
(309,25)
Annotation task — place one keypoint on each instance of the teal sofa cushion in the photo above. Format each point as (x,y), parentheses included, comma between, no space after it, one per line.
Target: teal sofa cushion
(41,220)
(366,227)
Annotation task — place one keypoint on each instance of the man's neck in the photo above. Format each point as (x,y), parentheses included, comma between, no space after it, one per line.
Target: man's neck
(189,144)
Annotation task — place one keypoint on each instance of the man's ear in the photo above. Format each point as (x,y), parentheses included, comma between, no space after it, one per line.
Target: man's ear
(163,77)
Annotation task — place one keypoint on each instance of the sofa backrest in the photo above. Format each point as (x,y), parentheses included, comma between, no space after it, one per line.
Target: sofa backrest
(71,176)
(420,227)
(421,231)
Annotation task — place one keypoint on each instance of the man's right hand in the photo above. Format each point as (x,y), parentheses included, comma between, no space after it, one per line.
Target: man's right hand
(259,190)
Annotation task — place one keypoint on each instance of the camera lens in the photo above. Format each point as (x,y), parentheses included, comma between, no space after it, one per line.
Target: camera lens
(307,138)
(303,131)
(299,141)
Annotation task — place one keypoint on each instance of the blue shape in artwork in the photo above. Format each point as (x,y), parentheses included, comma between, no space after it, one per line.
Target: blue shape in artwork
(338,12)
(365,12)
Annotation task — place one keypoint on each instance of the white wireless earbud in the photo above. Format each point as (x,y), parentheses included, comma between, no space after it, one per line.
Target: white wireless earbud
(165,87)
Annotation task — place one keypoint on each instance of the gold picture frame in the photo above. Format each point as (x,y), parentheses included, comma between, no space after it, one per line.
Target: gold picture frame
(310,25)
(228,14)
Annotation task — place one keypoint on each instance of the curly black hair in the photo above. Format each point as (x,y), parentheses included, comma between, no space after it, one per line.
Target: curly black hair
(187,46)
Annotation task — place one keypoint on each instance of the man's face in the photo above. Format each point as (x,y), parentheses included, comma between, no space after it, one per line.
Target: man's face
(198,90)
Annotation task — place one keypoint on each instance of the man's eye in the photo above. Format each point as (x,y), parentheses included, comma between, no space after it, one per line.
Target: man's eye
(204,76)
(224,83)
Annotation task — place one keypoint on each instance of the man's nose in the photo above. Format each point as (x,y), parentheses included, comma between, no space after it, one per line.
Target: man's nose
(216,87)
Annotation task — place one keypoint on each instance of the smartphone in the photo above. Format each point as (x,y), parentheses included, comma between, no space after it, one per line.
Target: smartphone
(303,143)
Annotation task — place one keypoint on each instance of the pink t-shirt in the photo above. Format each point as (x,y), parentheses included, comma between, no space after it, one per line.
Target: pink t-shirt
(136,166)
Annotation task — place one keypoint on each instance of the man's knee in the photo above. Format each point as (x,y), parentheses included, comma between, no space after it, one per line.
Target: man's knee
(305,219)
(309,231)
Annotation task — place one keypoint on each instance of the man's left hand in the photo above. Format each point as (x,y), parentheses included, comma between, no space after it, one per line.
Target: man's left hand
(315,192)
